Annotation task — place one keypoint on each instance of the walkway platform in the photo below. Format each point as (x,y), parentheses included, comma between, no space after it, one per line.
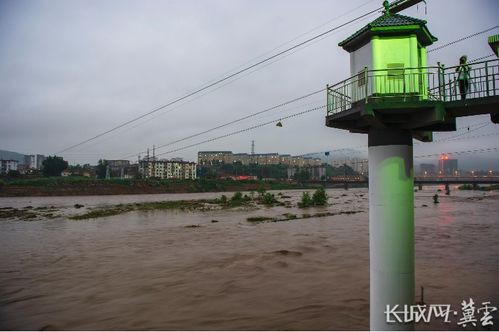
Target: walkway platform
(419,99)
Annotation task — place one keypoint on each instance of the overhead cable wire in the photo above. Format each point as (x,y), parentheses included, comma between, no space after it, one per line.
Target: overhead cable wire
(243,130)
(294,39)
(461,39)
(485,150)
(236,120)
(481,58)
(210,91)
(444,139)
(276,55)
(450,138)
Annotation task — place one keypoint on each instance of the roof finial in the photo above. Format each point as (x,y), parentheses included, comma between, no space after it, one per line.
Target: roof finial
(386,4)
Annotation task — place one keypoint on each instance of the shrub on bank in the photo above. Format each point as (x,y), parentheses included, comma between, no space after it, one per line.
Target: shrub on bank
(319,198)
(306,200)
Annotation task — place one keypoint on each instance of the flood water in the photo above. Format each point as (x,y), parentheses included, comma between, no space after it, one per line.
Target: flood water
(146,270)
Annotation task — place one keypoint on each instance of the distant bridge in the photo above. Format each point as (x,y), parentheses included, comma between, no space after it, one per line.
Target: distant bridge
(456,180)
(418,180)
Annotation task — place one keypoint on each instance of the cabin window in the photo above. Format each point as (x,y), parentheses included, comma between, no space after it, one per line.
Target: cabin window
(395,71)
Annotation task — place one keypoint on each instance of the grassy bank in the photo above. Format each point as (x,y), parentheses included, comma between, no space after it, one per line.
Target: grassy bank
(69,186)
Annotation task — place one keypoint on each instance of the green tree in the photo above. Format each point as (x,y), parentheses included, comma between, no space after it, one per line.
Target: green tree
(306,200)
(101,169)
(320,197)
(238,196)
(53,166)
(268,199)
(302,175)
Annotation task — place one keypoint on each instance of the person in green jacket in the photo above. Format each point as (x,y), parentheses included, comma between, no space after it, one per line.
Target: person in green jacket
(463,76)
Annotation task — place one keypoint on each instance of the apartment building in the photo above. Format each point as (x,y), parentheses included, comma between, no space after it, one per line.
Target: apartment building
(8,165)
(214,157)
(207,158)
(167,169)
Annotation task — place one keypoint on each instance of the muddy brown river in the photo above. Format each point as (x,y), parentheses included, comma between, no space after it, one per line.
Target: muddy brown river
(148,271)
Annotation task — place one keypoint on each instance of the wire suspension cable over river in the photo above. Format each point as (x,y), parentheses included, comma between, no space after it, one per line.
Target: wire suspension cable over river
(233,121)
(461,39)
(278,54)
(244,130)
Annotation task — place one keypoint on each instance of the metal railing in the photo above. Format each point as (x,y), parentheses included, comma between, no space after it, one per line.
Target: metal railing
(413,84)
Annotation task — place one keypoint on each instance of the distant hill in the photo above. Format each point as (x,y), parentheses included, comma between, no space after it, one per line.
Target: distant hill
(10,155)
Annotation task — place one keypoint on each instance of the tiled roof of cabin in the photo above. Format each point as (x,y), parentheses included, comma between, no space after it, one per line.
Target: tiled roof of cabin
(386,21)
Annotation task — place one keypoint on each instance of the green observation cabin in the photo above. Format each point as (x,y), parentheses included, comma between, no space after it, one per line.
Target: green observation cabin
(391,85)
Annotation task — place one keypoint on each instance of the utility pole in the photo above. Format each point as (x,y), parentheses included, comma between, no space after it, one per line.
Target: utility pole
(148,166)
(153,161)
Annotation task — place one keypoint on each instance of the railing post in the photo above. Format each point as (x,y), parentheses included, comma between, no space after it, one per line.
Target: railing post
(441,80)
(487,78)
(366,81)
(328,107)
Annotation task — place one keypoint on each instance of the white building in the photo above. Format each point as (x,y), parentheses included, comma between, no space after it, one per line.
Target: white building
(227,157)
(8,165)
(36,161)
(167,169)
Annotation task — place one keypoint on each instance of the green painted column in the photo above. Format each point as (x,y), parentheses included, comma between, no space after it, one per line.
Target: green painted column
(391,224)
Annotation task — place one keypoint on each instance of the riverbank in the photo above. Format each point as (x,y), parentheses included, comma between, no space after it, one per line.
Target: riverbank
(81,186)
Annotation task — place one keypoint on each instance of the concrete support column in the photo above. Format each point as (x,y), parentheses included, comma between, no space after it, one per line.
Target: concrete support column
(391,224)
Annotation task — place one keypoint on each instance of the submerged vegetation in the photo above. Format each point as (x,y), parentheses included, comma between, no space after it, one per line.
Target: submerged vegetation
(319,198)
(237,200)
(290,216)
(149,206)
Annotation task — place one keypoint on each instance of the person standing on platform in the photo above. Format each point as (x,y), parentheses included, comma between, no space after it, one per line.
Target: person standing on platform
(463,76)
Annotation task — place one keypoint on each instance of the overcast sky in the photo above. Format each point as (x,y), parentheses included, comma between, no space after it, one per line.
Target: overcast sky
(70,70)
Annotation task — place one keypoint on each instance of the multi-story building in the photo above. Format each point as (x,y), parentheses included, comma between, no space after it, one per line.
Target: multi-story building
(36,161)
(118,168)
(8,165)
(360,166)
(214,157)
(297,161)
(167,169)
(427,169)
(266,158)
(189,170)
(317,172)
(447,166)
(243,158)
(206,158)
(285,159)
